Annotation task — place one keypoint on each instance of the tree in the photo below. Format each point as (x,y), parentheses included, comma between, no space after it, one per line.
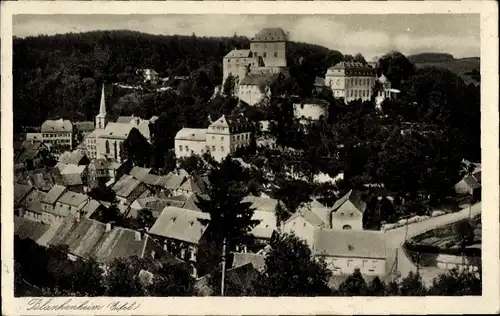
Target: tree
(135,149)
(377,288)
(454,283)
(192,164)
(412,285)
(230,218)
(292,271)
(172,280)
(355,285)
(122,278)
(396,67)
(229,85)
(145,218)
(359,58)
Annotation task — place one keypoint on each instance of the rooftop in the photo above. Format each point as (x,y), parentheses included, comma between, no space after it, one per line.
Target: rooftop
(59,125)
(73,198)
(73,169)
(238,53)
(54,194)
(193,134)
(349,243)
(125,186)
(140,173)
(75,157)
(180,224)
(271,34)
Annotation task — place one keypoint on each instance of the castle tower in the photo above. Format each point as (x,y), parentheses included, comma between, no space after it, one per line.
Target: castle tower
(101,119)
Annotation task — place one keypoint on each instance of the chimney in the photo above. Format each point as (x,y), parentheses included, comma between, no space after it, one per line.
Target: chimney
(108,227)
(137,236)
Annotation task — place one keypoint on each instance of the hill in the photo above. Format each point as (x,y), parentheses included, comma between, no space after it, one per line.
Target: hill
(467,68)
(61,75)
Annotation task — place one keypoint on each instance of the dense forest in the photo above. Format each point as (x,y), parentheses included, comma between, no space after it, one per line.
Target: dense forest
(61,75)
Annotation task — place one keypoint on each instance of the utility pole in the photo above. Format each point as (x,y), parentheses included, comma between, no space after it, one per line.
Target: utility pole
(223,266)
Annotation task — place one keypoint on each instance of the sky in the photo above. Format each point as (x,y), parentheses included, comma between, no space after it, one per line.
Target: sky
(371,35)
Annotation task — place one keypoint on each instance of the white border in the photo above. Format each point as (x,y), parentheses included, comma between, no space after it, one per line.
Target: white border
(488,303)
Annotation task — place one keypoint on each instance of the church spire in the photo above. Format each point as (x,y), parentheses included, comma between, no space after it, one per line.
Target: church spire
(102,108)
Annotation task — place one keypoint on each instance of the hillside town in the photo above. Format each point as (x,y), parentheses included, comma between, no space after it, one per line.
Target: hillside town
(277,193)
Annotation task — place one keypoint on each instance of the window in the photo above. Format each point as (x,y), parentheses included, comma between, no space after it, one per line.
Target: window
(341,214)
(238,137)
(351,215)
(350,263)
(107,147)
(264,55)
(116,150)
(222,148)
(213,137)
(213,148)
(222,138)
(365,263)
(346,227)
(186,147)
(275,54)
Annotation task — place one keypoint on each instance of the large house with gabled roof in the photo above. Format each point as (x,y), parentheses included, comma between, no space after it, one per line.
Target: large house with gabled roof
(223,137)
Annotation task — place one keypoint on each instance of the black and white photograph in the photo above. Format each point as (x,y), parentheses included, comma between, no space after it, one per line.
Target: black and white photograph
(246,155)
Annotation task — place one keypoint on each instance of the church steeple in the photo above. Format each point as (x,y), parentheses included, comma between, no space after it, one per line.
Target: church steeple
(100,119)
(102,108)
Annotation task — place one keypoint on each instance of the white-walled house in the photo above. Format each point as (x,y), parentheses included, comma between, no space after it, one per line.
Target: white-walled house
(256,86)
(303,224)
(345,251)
(190,141)
(221,138)
(347,212)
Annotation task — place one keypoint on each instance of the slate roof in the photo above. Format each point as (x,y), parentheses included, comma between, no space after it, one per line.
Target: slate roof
(262,203)
(73,169)
(139,173)
(26,228)
(349,243)
(88,238)
(180,224)
(54,194)
(259,79)
(72,158)
(258,261)
(44,179)
(309,216)
(90,208)
(21,191)
(354,198)
(270,34)
(125,186)
(33,201)
(73,198)
(237,123)
(238,53)
(193,134)
(71,180)
(29,151)
(59,125)
(60,166)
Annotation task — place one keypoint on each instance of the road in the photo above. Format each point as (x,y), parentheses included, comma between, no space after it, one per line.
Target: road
(395,239)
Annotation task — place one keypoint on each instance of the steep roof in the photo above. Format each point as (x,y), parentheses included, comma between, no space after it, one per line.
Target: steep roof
(125,186)
(29,151)
(73,198)
(354,198)
(238,53)
(44,179)
(21,191)
(73,169)
(270,34)
(140,173)
(117,130)
(266,226)
(180,224)
(26,228)
(103,163)
(258,261)
(236,123)
(59,125)
(259,79)
(349,243)
(54,194)
(308,216)
(262,204)
(193,134)
(71,179)
(33,201)
(73,158)
(90,208)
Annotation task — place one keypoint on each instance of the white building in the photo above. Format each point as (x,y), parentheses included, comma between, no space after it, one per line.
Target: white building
(149,75)
(57,134)
(310,110)
(238,63)
(223,137)
(344,251)
(256,86)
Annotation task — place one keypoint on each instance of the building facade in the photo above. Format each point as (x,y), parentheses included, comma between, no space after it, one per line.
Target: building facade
(255,87)
(345,251)
(57,134)
(237,63)
(351,81)
(221,138)
(310,110)
(270,44)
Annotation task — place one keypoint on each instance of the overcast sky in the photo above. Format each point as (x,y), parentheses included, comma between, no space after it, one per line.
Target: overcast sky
(371,35)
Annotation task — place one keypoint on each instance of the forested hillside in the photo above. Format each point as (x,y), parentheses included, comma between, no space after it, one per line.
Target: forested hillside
(61,75)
